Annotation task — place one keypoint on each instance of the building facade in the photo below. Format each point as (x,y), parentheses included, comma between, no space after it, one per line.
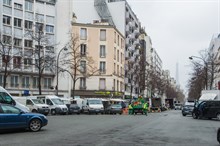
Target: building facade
(105,45)
(20,17)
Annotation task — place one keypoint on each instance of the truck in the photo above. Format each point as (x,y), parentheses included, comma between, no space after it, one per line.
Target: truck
(156,104)
(210,95)
(169,103)
(138,105)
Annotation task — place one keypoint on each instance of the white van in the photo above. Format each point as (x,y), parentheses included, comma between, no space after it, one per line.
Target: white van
(93,105)
(6,98)
(35,105)
(55,104)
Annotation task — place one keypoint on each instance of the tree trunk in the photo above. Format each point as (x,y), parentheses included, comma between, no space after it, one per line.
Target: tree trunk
(5,75)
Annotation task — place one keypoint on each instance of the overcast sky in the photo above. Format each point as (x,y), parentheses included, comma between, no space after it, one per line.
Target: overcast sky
(178,29)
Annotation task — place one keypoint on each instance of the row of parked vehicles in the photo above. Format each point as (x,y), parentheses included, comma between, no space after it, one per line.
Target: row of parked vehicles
(30,112)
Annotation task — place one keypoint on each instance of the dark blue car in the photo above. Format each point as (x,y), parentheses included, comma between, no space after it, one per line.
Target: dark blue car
(14,118)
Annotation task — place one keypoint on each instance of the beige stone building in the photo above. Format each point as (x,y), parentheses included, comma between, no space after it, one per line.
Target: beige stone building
(105,44)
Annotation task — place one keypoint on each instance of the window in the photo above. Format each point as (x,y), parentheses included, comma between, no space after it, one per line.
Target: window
(29,102)
(6,20)
(17,62)
(17,42)
(102,35)
(102,85)
(121,57)
(7,2)
(39,27)
(117,86)
(25,82)
(14,81)
(115,37)
(28,24)
(118,40)
(83,49)
(28,43)
(1,80)
(117,69)
(121,71)
(82,83)
(28,5)
(83,66)
(27,61)
(114,68)
(35,82)
(102,67)
(5,59)
(114,53)
(118,55)
(10,109)
(102,51)
(83,33)
(47,83)
(6,39)
(17,6)
(49,29)
(113,84)
(17,22)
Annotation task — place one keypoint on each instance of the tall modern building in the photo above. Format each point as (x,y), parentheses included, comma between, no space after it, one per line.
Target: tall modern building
(17,18)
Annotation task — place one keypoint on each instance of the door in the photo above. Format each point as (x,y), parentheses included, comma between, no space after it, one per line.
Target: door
(11,117)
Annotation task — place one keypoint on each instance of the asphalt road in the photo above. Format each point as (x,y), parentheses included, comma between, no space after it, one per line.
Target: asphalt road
(168,128)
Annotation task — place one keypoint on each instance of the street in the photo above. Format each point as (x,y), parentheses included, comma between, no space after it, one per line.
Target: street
(167,128)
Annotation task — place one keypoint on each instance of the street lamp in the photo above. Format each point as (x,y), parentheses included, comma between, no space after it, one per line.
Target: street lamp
(65,49)
(206,69)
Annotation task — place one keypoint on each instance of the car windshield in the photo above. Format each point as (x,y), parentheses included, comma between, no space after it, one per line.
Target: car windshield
(37,101)
(94,101)
(57,101)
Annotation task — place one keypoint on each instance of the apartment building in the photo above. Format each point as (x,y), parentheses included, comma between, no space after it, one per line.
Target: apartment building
(105,45)
(214,48)
(19,17)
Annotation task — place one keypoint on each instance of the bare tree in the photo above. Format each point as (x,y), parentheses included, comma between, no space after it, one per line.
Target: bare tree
(11,60)
(43,51)
(78,62)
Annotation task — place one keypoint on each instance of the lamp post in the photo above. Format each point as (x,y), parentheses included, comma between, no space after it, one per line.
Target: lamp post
(206,69)
(65,49)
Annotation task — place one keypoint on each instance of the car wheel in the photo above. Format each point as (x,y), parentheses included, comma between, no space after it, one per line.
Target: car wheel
(53,112)
(218,135)
(183,114)
(34,111)
(218,116)
(35,125)
(194,115)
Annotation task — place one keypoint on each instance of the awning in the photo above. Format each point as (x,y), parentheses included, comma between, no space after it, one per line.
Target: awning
(208,96)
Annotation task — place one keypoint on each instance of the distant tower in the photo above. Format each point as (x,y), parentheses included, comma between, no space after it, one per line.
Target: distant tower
(177,73)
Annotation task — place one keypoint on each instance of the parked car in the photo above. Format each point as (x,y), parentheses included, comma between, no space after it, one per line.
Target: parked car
(13,118)
(178,106)
(72,106)
(187,108)
(207,109)
(114,109)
